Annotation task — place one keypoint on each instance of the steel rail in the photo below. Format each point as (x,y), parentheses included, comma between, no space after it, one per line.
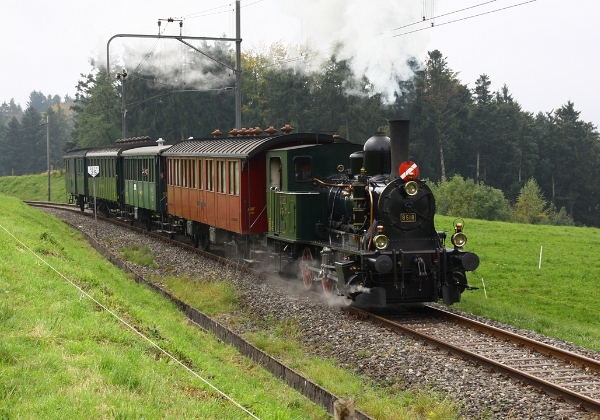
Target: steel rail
(543,348)
(579,400)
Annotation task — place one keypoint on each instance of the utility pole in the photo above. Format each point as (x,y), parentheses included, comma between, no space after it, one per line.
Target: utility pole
(121,77)
(48,151)
(238,67)
(47,124)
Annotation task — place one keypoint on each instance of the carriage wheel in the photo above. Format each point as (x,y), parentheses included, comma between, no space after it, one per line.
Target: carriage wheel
(328,286)
(307,275)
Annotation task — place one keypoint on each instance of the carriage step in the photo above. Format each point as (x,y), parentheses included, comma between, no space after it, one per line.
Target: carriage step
(250,261)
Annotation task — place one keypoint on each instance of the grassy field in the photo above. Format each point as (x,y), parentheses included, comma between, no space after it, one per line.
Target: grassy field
(35,187)
(560,298)
(62,356)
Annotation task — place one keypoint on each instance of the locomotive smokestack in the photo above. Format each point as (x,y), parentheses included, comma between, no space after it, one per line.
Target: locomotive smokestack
(399,144)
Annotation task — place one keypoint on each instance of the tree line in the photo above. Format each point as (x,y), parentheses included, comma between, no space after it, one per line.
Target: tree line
(24,134)
(476,135)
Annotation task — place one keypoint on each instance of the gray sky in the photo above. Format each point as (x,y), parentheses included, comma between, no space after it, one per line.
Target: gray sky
(545,50)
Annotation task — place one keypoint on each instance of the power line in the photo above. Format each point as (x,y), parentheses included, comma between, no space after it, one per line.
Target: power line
(425,19)
(229,9)
(131,327)
(205,12)
(466,18)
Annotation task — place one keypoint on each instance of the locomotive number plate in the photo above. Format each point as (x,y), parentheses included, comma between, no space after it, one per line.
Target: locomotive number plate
(408,217)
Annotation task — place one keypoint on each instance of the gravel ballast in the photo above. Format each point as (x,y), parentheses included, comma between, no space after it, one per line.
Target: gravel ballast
(369,350)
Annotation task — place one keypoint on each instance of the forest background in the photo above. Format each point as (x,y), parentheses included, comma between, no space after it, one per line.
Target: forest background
(484,155)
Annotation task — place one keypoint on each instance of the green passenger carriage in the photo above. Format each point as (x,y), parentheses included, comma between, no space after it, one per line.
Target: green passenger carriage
(144,182)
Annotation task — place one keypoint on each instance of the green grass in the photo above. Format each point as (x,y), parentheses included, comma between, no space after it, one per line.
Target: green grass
(214,297)
(280,338)
(62,356)
(35,187)
(139,254)
(560,299)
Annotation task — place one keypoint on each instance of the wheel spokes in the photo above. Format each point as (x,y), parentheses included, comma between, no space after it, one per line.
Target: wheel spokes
(307,275)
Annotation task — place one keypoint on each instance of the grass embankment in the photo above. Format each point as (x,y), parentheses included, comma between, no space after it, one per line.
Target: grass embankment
(35,187)
(560,299)
(62,356)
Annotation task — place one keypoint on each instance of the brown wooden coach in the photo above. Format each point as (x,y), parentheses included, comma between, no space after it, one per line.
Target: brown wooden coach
(220,183)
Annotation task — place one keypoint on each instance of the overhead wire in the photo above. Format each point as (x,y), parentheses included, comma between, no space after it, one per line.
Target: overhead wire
(465,18)
(131,327)
(151,50)
(425,18)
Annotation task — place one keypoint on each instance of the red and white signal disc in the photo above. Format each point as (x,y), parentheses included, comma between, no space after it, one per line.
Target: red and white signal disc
(408,170)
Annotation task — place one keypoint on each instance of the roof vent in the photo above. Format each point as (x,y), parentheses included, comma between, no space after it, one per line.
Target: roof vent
(233,132)
(271,130)
(160,141)
(286,129)
(216,134)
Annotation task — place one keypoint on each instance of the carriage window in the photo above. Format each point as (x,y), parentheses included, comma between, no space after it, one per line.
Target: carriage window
(200,177)
(193,175)
(185,172)
(234,178)
(222,176)
(303,168)
(210,175)
(145,170)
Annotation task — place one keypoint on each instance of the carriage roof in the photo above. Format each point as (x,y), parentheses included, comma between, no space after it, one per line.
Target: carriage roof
(245,147)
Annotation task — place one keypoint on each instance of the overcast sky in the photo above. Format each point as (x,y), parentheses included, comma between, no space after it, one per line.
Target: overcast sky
(545,51)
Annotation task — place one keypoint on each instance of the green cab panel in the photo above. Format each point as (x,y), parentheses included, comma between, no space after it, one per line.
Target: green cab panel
(295,214)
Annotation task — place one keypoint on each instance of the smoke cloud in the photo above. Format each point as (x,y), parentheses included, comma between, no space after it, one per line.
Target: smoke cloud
(363,29)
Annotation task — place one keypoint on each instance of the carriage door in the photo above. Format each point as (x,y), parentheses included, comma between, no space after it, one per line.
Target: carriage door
(274,187)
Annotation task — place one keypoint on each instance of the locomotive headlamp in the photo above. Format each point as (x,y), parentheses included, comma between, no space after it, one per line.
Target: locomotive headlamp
(411,188)
(381,242)
(459,239)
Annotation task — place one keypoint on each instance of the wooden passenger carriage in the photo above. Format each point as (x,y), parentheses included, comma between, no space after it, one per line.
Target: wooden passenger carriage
(219,186)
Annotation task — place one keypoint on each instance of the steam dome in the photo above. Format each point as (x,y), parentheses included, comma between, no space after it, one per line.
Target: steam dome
(377,154)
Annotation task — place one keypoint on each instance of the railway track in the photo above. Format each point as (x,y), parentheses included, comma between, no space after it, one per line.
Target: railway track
(567,376)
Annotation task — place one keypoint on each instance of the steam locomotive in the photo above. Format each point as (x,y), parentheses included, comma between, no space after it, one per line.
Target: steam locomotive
(355,220)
